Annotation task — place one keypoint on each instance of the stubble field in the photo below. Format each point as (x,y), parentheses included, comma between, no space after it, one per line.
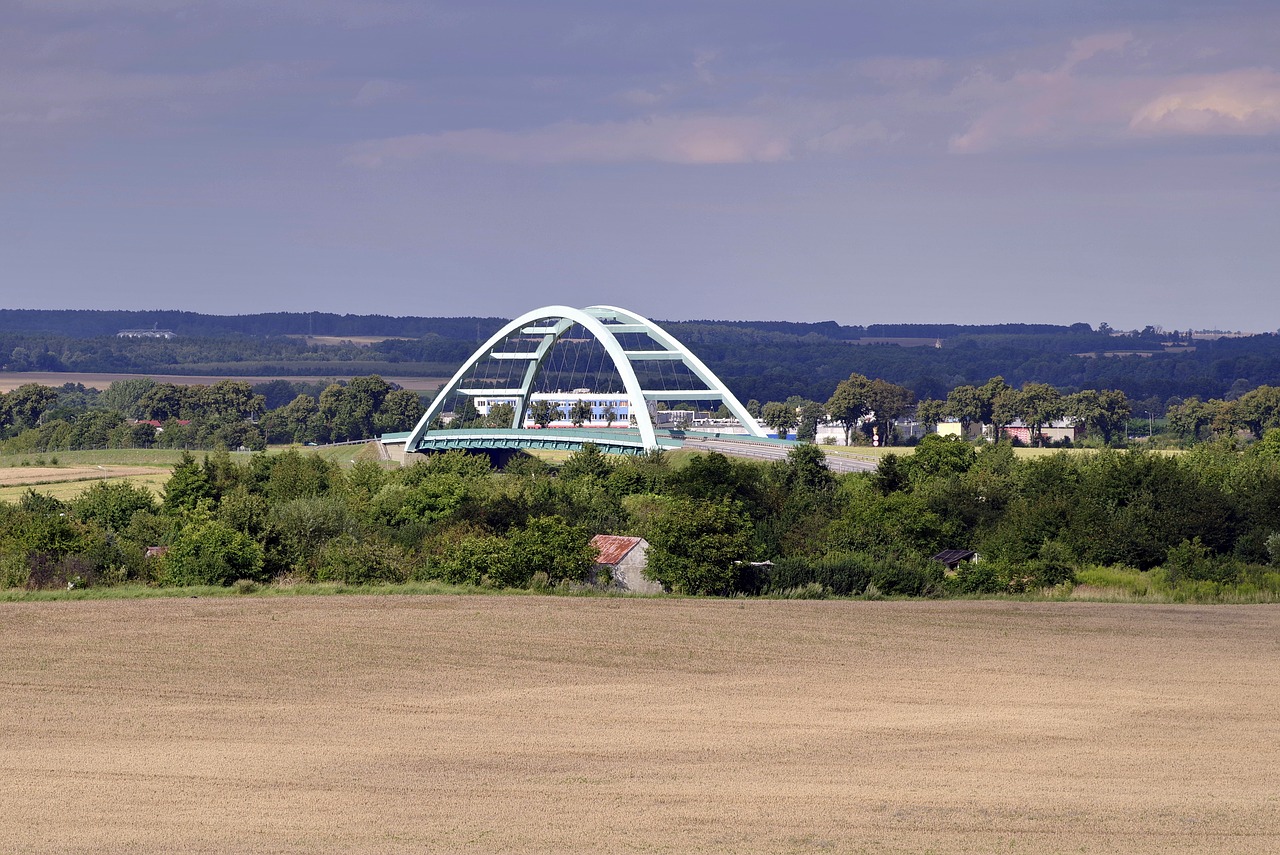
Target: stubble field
(539,724)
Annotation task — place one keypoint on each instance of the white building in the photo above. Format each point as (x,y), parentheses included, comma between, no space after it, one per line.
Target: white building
(601,403)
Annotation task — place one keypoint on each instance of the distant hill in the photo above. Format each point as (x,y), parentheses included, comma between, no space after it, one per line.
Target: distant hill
(765,360)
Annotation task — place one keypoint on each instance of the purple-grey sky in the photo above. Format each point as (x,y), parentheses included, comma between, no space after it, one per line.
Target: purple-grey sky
(864,162)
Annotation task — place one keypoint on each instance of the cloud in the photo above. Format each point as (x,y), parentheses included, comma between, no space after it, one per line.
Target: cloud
(57,96)
(356,13)
(1239,102)
(667,139)
(1055,107)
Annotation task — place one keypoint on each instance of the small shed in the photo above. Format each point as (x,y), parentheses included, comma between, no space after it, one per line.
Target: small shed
(625,559)
(953,558)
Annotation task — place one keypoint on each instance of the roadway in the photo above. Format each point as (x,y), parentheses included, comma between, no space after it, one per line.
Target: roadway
(760,451)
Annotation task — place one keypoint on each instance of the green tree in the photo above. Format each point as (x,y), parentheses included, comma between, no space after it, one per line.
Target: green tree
(580,413)
(125,395)
(1039,404)
(210,552)
(112,504)
(811,415)
(466,414)
(297,421)
(888,402)
(696,546)
(163,401)
(848,404)
(1259,410)
(780,417)
(400,410)
(1189,418)
(228,400)
(588,462)
(929,412)
(967,405)
(940,456)
(1006,406)
(502,416)
(544,412)
(187,485)
(1102,412)
(26,405)
(550,545)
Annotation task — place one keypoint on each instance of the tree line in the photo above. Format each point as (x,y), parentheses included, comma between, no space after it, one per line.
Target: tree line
(765,360)
(1203,524)
(143,413)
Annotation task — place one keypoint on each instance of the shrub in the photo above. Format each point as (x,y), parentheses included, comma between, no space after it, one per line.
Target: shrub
(551,546)
(14,572)
(846,574)
(360,562)
(978,577)
(811,591)
(471,558)
(1192,561)
(210,552)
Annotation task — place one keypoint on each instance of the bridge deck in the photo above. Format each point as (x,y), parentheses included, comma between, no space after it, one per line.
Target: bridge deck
(613,441)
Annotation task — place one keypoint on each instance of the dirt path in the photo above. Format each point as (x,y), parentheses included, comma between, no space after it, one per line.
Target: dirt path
(528,724)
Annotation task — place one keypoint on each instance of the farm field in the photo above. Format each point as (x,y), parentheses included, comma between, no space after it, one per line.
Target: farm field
(543,724)
(67,482)
(10,380)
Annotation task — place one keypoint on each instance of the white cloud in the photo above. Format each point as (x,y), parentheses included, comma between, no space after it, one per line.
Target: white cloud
(1056,107)
(1239,102)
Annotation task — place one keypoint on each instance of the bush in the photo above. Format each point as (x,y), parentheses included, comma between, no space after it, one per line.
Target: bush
(1192,561)
(851,573)
(210,553)
(360,562)
(811,591)
(14,572)
(978,577)
(471,558)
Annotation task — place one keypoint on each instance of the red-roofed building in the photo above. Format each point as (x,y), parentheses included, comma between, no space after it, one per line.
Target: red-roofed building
(624,558)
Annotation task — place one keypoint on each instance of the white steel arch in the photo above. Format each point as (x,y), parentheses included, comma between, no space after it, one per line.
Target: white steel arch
(605,323)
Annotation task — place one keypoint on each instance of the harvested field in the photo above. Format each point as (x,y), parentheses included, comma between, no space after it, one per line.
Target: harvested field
(535,724)
(67,482)
(21,475)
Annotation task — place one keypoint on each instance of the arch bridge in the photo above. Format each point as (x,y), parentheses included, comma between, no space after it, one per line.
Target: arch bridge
(514,365)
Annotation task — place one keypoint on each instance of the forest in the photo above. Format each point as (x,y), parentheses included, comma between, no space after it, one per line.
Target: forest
(765,360)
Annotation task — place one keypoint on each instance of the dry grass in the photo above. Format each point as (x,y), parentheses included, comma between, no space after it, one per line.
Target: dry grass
(68,482)
(22,475)
(533,724)
(66,490)
(361,340)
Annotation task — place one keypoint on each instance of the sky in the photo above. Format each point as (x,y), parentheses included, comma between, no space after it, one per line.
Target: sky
(988,161)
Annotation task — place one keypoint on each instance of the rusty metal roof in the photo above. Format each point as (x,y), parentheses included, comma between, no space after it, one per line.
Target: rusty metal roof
(613,547)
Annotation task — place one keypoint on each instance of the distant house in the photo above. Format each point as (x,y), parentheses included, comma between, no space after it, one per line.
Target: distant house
(151,333)
(953,558)
(1052,432)
(625,559)
(954,428)
(157,424)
